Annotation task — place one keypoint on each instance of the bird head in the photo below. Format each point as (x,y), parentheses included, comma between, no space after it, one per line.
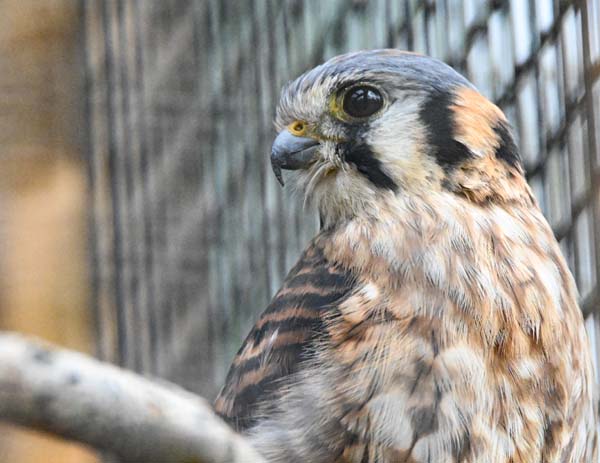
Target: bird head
(369,127)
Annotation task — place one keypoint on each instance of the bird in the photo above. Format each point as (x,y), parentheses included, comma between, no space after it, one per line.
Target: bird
(433,317)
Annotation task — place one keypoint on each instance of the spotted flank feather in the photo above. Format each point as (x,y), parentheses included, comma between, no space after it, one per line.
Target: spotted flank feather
(283,337)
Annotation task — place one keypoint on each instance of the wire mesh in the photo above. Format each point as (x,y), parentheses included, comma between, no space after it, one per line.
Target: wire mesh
(191,234)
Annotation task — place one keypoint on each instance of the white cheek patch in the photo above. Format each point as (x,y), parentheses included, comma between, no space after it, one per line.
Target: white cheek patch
(398,138)
(395,133)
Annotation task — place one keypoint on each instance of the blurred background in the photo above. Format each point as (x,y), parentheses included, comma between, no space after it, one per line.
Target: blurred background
(139,218)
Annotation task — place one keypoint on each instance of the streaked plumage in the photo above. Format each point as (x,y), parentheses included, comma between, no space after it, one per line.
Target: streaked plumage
(433,318)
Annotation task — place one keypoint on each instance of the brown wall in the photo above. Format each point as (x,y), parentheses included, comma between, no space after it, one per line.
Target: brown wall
(43,282)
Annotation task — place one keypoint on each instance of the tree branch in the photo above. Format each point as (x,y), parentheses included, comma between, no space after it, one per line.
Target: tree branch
(79,398)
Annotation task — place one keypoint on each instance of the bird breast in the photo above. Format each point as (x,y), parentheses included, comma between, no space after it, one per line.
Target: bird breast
(464,341)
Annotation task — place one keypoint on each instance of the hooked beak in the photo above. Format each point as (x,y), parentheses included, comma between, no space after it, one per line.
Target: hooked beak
(292,153)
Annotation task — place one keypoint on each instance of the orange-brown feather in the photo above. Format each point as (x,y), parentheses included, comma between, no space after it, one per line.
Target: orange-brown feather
(475,119)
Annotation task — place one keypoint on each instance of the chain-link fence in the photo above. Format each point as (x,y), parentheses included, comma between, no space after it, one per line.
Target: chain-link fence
(191,234)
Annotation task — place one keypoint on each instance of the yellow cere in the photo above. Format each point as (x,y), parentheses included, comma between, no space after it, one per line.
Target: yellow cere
(298,128)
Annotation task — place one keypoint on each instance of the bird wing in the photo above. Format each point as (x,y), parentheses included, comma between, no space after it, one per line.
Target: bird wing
(283,337)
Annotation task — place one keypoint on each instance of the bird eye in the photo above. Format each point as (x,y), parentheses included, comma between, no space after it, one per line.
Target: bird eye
(362,101)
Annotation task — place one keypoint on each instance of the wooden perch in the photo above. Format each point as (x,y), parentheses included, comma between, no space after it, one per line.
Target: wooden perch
(138,420)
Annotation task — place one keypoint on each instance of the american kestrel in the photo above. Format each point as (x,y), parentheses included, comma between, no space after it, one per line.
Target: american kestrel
(433,317)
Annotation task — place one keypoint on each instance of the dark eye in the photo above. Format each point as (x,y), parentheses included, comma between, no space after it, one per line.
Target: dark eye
(362,101)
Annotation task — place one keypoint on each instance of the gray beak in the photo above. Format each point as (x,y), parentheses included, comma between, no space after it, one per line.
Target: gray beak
(292,153)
